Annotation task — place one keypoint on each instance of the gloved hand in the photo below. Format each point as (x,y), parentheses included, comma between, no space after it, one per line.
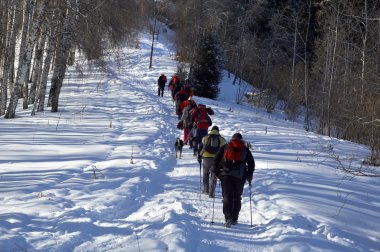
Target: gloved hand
(199,157)
(249,180)
(214,178)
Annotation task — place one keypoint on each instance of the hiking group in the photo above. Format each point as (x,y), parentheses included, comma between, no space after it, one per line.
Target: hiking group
(230,162)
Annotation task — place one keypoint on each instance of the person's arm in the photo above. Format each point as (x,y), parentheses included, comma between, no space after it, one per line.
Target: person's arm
(222,141)
(217,160)
(250,165)
(185,114)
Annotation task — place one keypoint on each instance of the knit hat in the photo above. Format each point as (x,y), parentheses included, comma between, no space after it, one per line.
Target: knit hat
(237,136)
(215,128)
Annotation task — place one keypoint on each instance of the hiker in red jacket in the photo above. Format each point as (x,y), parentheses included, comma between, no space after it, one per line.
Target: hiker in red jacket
(201,122)
(173,84)
(181,99)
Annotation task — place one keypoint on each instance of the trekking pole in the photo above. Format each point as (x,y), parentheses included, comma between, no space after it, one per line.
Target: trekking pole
(200,175)
(213,204)
(250,201)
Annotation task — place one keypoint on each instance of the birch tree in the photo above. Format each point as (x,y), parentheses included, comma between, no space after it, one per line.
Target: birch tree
(9,52)
(64,42)
(39,102)
(38,61)
(28,40)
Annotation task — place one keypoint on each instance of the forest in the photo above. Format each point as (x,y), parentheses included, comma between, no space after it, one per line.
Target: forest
(320,57)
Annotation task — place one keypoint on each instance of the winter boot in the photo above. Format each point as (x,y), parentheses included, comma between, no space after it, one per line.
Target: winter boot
(228,223)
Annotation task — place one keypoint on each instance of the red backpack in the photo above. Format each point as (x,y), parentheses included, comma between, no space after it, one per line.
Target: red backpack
(173,83)
(232,156)
(200,116)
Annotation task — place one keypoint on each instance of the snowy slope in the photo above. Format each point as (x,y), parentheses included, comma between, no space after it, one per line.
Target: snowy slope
(50,200)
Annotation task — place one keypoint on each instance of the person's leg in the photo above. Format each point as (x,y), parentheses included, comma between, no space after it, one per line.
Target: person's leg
(196,141)
(227,192)
(238,186)
(199,135)
(185,135)
(212,182)
(207,163)
(191,137)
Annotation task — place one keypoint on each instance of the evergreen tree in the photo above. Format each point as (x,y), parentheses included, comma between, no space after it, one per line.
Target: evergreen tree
(206,68)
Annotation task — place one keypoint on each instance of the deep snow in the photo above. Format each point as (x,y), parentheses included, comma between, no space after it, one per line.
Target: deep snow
(144,199)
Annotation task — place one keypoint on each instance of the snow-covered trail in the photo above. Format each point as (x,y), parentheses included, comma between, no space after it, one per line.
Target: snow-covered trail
(52,202)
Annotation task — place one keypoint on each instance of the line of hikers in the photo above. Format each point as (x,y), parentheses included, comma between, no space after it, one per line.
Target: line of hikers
(232,163)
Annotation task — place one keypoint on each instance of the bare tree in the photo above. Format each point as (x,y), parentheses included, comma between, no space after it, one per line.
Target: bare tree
(9,52)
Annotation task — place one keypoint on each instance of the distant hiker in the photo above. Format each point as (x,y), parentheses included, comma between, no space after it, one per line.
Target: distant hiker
(188,121)
(201,123)
(234,164)
(173,84)
(161,84)
(211,145)
(188,88)
(181,97)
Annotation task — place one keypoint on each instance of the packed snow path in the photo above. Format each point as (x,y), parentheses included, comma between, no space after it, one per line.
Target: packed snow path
(114,126)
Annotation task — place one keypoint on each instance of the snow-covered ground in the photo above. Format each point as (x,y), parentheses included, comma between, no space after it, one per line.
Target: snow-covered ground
(143,199)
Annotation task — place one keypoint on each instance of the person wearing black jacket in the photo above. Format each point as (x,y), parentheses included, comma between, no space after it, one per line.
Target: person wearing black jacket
(233,174)
(161,84)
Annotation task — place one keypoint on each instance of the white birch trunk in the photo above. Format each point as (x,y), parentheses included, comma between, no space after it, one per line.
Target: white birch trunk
(306,72)
(40,101)
(9,54)
(22,68)
(328,126)
(4,16)
(34,26)
(364,48)
(37,71)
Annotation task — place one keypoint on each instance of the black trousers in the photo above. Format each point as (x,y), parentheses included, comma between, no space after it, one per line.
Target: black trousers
(232,189)
(161,91)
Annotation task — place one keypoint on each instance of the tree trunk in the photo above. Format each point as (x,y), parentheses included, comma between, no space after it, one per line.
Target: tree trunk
(61,56)
(37,70)
(22,68)
(9,54)
(328,126)
(45,72)
(363,53)
(152,47)
(306,72)
(34,26)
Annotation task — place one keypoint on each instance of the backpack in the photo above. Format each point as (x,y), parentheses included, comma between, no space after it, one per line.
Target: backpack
(173,83)
(212,144)
(203,121)
(233,154)
(182,96)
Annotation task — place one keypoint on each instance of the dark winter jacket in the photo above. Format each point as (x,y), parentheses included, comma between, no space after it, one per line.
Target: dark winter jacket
(176,89)
(246,167)
(162,81)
